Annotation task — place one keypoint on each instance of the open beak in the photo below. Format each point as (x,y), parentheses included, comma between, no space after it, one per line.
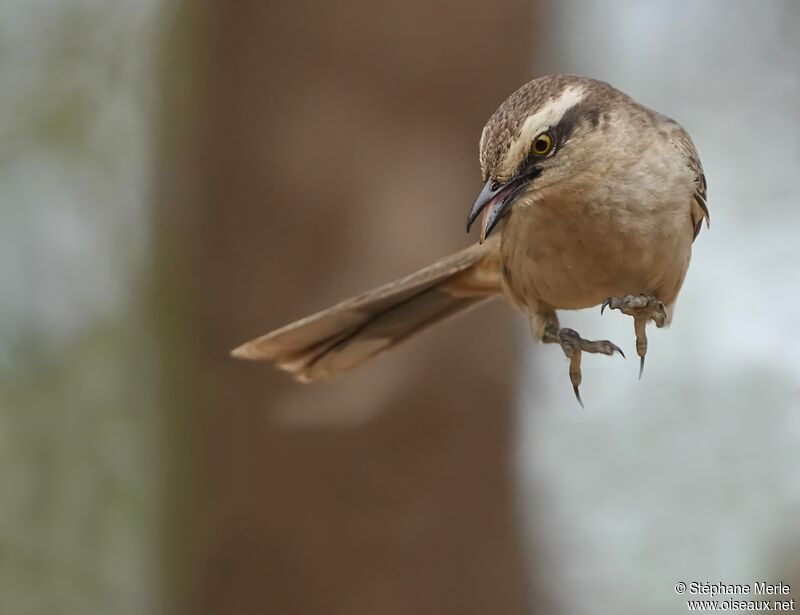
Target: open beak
(496,199)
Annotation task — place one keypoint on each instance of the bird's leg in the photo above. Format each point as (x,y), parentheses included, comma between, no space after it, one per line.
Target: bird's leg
(546,328)
(642,308)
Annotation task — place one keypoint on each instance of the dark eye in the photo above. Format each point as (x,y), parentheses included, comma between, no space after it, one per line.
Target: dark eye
(542,144)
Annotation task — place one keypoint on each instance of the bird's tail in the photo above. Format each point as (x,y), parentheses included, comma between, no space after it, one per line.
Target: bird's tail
(344,336)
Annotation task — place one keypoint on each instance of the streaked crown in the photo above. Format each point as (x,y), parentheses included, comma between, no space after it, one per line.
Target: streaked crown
(549,102)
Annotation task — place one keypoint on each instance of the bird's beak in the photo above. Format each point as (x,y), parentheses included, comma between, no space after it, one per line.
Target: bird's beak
(496,199)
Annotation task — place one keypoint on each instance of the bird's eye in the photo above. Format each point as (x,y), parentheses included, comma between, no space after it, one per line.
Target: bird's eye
(542,144)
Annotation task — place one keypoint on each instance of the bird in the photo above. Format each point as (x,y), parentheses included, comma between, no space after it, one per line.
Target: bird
(589,198)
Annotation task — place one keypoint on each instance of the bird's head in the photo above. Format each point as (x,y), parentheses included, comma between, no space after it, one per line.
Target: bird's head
(548,132)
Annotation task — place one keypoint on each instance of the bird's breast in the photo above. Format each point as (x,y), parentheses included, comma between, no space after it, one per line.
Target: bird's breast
(574,254)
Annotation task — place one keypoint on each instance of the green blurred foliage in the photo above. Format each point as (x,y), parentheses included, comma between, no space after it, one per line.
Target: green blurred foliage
(78,430)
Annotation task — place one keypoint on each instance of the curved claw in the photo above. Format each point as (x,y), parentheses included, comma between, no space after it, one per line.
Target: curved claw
(604,305)
(578,395)
(619,350)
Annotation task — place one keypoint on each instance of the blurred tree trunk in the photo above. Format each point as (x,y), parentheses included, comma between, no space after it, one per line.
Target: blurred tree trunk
(312,150)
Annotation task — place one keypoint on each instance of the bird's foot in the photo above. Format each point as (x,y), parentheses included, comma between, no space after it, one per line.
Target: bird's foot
(638,306)
(573,346)
(643,308)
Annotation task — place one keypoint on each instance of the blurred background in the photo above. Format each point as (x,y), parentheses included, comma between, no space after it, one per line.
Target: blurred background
(177,177)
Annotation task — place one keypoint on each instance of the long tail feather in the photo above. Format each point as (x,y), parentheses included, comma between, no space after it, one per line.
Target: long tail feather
(344,336)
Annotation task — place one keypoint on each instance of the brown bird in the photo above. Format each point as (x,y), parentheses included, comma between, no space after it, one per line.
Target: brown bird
(597,200)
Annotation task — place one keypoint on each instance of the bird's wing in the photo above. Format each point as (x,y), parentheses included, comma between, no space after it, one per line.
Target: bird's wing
(347,334)
(700,202)
(699,211)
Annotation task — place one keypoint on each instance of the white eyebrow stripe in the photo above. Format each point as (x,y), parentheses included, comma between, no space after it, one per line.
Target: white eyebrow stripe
(481,156)
(549,115)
